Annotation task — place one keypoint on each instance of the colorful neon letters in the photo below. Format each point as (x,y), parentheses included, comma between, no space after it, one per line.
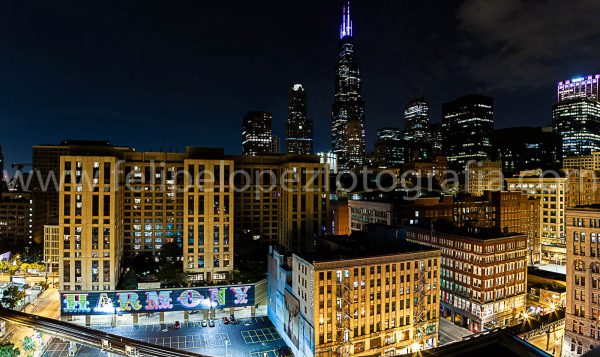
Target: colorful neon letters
(117,302)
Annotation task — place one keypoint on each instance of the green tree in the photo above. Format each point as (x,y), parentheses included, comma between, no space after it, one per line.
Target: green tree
(130,280)
(11,297)
(171,276)
(9,350)
(28,344)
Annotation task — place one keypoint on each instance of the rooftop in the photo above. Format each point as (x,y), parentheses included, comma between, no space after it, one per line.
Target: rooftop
(358,246)
(443,226)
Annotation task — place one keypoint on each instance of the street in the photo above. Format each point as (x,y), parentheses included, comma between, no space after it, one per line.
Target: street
(449,332)
(47,305)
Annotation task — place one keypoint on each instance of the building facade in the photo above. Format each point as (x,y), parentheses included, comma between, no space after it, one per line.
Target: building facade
(257,137)
(577,120)
(299,129)
(416,121)
(52,247)
(390,150)
(585,162)
(582,87)
(348,109)
(467,127)
(552,193)
(364,304)
(582,331)
(483,176)
(525,148)
(483,275)
(363,213)
(20,225)
(282,199)
(90,222)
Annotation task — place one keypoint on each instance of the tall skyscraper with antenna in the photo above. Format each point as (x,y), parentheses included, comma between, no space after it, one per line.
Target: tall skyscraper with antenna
(348,110)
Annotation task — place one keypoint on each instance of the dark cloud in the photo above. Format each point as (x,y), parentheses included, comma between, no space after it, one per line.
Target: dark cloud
(528,44)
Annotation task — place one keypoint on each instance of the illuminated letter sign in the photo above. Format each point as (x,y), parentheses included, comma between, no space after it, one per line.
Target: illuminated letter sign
(241,294)
(190,298)
(76,303)
(105,304)
(158,301)
(217,295)
(129,301)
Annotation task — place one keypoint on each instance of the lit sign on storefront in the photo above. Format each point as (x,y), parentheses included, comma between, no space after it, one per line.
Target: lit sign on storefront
(118,302)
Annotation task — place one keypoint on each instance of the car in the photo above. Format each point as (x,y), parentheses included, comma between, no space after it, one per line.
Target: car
(211,323)
(203,323)
(226,321)
(194,312)
(177,325)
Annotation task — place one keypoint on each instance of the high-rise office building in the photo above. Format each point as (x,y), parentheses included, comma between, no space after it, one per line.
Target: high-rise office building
(275,145)
(525,148)
(577,120)
(416,121)
(389,148)
(348,109)
(435,137)
(467,125)
(299,129)
(257,137)
(582,87)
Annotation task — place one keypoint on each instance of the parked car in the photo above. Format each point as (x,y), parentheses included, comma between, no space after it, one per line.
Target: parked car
(203,323)
(211,323)
(177,325)
(226,321)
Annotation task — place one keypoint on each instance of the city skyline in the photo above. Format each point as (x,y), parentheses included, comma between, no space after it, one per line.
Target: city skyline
(175,87)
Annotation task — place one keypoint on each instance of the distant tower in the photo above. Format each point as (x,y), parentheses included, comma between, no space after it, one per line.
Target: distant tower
(467,127)
(348,109)
(416,121)
(299,129)
(256,134)
(576,116)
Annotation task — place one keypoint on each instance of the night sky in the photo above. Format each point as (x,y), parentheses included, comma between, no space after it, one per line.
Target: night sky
(167,74)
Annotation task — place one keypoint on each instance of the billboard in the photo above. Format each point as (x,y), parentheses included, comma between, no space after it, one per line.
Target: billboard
(291,324)
(142,301)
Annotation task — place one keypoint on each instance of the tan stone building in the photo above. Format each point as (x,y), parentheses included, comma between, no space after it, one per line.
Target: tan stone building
(483,274)
(552,193)
(582,330)
(588,162)
(368,300)
(483,176)
(282,199)
(90,222)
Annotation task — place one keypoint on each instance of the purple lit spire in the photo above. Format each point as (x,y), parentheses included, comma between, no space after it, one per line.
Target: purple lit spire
(346,28)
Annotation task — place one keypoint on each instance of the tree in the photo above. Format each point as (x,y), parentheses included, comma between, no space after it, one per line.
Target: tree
(171,276)
(130,280)
(28,344)
(9,350)
(11,297)
(171,252)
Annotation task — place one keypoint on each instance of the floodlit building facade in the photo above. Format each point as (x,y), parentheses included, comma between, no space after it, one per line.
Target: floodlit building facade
(585,162)
(582,331)
(483,275)
(484,176)
(357,302)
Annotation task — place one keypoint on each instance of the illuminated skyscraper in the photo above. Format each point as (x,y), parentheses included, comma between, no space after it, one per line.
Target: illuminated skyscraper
(586,87)
(416,121)
(467,127)
(389,148)
(299,129)
(256,134)
(348,110)
(576,115)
